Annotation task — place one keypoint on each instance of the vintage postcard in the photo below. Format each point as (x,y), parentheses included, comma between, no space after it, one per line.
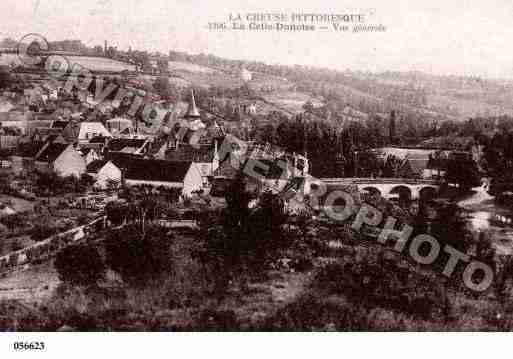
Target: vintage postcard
(256,166)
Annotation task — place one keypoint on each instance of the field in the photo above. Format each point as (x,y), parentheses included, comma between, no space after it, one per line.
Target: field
(8,59)
(30,286)
(184,66)
(470,105)
(91,63)
(100,64)
(18,204)
(291,101)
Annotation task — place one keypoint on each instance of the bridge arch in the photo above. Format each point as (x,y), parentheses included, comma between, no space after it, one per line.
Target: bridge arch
(427,193)
(371,190)
(403,192)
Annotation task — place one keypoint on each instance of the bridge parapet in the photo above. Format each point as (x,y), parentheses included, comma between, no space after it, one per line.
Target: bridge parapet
(361,180)
(389,187)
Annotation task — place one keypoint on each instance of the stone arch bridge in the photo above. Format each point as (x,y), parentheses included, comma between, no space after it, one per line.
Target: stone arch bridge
(389,188)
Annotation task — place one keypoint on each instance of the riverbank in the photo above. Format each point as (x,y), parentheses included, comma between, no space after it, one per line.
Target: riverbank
(480,208)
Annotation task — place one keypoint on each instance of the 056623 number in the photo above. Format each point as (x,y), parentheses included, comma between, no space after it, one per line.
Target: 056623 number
(19,346)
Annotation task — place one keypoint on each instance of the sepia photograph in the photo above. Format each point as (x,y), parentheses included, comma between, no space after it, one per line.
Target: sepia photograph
(256,166)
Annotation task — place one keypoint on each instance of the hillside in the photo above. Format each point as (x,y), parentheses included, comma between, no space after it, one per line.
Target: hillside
(287,88)
(426,96)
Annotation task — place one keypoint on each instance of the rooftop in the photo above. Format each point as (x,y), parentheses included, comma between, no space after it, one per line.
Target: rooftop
(118,144)
(51,152)
(153,170)
(96,165)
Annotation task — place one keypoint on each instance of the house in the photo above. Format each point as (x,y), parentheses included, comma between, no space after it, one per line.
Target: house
(60,124)
(261,175)
(136,146)
(82,132)
(96,143)
(419,159)
(61,158)
(36,126)
(6,210)
(182,175)
(47,135)
(104,171)
(119,126)
(269,174)
(89,154)
(204,156)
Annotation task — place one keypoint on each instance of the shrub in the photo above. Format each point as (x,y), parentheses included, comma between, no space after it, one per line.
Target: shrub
(116,212)
(79,264)
(218,320)
(41,232)
(139,257)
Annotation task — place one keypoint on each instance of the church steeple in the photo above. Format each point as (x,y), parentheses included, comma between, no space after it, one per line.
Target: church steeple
(192,111)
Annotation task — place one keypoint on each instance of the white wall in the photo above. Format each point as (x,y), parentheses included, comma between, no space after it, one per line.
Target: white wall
(108,172)
(89,130)
(69,163)
(192,181)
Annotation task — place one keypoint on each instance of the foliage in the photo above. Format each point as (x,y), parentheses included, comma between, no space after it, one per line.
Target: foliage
(139,257)
(332,152)
(116,212)
(498,154)
(165,89)
(42,231)
(246,237)
(448,226)
(49,183)
(7,80)
(80,264)
(462,171)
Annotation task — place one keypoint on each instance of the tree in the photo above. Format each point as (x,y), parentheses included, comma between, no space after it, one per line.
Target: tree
(139,257)
(116,212)
(6,79)
(165,89)
(163,65)
(42,231)
(264,232)
(308,106)
(463,172)
(86,181)
(237,201)
(5,182)
(47,182)
(98,49)
(80,264)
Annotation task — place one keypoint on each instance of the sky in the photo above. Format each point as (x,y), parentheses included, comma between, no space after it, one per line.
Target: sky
(460,37)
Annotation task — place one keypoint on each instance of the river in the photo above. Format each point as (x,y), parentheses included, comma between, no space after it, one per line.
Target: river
(482,212)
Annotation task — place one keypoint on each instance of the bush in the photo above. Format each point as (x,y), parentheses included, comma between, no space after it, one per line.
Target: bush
(80,264)
(139,257)
(218,320)
(116,212)
(41,232)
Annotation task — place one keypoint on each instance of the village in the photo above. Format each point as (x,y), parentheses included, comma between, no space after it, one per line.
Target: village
(144,183)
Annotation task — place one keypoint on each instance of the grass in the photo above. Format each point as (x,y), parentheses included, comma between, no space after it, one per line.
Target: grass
(16,203)
(353,288)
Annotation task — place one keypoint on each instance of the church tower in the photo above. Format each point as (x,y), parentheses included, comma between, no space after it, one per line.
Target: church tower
(192,112)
